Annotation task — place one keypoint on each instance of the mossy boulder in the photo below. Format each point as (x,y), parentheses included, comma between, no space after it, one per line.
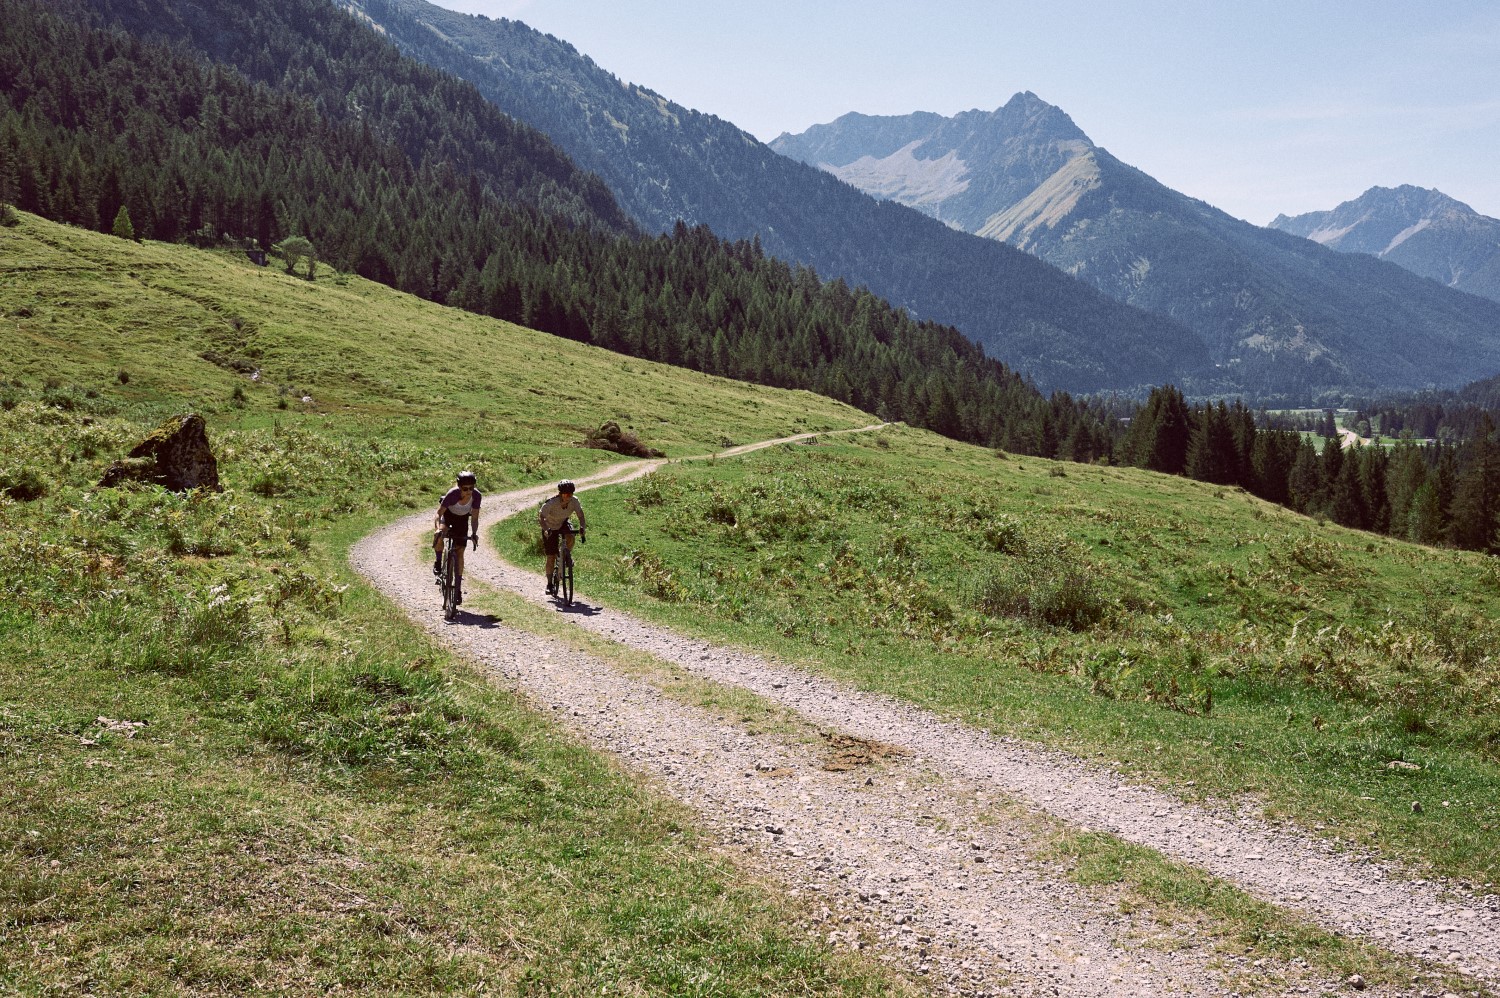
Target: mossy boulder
(609,436)
(175,456)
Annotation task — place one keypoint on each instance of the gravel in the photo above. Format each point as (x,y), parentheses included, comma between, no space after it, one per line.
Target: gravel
(922,858)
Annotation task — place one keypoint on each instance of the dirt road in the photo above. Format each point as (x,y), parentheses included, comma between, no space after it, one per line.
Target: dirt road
(930,856)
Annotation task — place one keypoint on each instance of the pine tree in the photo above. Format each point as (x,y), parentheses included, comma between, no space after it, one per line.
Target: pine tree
(1306,484)
(122,227)
(1346,504)
(1476,494)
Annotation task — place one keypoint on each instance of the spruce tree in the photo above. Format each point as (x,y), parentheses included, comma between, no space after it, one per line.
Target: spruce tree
(1476,494)
(1346,504)
(1305,485)
(122,227)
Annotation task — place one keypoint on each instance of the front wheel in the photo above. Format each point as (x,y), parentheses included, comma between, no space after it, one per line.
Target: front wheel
(450,585)
(565,581)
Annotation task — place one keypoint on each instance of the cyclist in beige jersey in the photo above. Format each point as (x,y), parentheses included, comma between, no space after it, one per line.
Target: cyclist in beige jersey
(553,517)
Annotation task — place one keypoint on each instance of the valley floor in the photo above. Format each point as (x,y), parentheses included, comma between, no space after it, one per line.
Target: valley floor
(942,848)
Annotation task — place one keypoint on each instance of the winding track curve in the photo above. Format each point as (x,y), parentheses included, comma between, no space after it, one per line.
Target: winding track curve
(927,874)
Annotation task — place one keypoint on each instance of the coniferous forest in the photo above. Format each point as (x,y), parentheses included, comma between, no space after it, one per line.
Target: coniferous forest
(310,126)
(1447,492)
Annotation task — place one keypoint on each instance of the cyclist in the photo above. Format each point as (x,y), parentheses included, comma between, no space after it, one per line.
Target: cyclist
(553,517)
(457,515)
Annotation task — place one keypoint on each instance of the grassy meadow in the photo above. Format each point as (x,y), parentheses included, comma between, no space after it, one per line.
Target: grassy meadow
(226,765)
(1197,637)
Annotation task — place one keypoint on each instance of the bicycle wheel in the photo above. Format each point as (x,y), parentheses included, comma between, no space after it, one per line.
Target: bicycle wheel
(565,578)
(450,582)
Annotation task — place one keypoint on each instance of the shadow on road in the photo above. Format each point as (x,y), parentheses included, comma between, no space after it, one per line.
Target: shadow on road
(483,621)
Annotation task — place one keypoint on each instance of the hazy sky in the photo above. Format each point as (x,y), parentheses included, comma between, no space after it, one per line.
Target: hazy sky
(1256,106)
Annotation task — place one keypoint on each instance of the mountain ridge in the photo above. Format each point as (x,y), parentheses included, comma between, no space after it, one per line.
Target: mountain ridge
(1278,317)
(1423,230)
(665,162)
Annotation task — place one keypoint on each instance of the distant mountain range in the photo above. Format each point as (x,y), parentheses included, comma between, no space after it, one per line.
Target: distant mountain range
(1278,315)
(1425,231)
(666,162)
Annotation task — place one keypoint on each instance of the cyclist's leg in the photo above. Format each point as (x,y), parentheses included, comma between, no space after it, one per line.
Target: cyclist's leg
(549,548)
(437,551)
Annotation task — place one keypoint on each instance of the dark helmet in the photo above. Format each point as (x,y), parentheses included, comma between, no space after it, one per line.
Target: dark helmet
(567,487)
(466,478)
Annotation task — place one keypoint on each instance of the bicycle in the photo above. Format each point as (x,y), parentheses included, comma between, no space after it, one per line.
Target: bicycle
(449,578)
(560,582)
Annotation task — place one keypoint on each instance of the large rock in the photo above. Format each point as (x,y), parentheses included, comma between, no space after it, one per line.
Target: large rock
(175,456)
(609,436)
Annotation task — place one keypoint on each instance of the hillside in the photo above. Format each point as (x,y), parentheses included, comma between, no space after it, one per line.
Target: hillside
(666,162)
(1280,319)
(259,762)
(225,764)
(1424,231)
(263,172)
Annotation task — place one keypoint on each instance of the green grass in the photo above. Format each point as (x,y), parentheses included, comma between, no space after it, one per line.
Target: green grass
(226,765)
(321,797)
(1200,638)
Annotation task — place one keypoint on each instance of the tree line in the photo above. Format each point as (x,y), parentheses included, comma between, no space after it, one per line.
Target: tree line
(1444,493)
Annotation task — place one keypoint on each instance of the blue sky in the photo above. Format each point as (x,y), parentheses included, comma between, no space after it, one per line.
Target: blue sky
(1257,106)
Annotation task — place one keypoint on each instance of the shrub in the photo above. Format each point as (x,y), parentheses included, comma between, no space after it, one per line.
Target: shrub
(9,218)
(1005,536)
(22,484)
(1073,598)
(1052,585)
(657,581)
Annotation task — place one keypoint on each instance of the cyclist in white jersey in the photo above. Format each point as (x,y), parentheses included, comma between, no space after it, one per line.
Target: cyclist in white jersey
(458,517)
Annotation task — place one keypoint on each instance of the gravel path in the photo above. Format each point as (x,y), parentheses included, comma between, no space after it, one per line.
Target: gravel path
(920,856)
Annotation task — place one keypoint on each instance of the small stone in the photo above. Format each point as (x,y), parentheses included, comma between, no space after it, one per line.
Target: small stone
(1416,807)
(1356,982)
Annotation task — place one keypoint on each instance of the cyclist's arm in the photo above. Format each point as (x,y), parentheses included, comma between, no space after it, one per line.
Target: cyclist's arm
(582,525)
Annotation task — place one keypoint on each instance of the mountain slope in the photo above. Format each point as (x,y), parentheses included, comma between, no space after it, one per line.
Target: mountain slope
(1424,231)
(666,162)
(1279,318)
(261,164)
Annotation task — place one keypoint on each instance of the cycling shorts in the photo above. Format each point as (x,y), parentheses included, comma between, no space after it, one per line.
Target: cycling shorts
(550,538)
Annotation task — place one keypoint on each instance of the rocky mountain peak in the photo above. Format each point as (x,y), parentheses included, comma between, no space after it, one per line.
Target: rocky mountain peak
(1421,229)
